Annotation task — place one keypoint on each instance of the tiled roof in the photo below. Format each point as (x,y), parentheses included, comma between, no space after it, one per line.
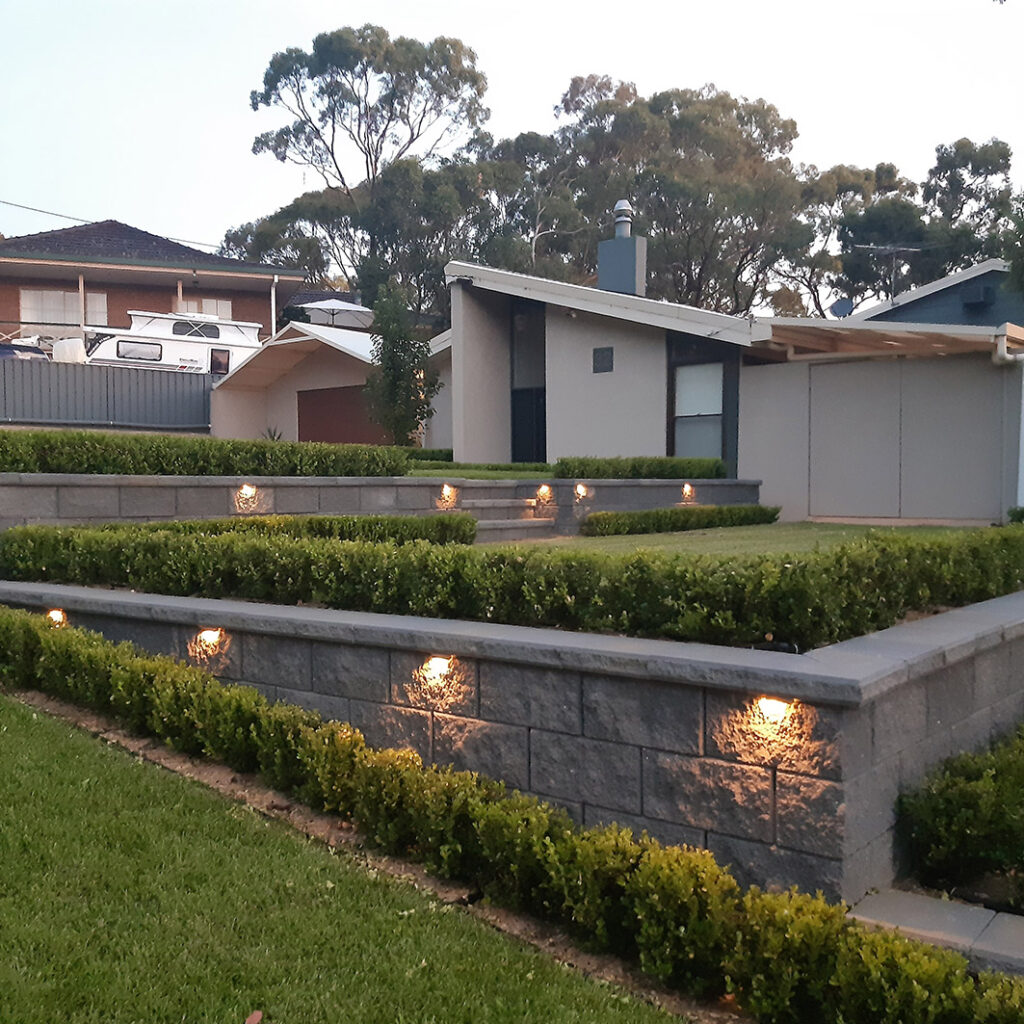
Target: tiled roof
(110,241)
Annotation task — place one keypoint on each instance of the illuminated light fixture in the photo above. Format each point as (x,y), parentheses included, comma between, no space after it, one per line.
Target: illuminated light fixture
(449,496)
(247,498)
(436,670)
(689,493)
(544,493)
(58,617)
(773,710)
(209,647)
(581,491)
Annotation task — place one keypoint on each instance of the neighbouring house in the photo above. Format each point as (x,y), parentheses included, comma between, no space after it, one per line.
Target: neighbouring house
(57,283)
(306,384)
(867,417)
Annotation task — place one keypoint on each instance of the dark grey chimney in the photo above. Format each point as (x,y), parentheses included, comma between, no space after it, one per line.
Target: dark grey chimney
(622,260)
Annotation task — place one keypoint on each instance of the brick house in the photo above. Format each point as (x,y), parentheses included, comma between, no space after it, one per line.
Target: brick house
(55,283)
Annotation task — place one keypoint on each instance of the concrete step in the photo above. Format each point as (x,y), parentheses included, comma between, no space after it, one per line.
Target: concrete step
(499,508)
(494,531)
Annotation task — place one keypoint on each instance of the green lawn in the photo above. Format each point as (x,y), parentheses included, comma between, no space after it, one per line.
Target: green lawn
(775,538)
(128,894)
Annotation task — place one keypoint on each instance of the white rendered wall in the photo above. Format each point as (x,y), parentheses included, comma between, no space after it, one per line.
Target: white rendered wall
(774,433)
(438,430)
(481,385)
(237,413)
(605,414)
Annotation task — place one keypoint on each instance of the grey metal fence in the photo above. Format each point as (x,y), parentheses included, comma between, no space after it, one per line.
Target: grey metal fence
(66,394)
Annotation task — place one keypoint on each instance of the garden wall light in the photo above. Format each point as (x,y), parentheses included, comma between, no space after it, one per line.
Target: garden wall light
(689,494)
(581,491)
(58,617)
(247,499)
(209,647)
(440,681)
(449,496)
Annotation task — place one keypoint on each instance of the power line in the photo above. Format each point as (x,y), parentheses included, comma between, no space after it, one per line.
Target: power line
(85,220)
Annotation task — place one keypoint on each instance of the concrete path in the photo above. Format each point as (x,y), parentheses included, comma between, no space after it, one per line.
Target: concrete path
(991,941)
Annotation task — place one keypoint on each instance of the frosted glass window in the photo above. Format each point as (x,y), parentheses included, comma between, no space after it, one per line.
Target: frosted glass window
(49,307)
(699,437)
(96,308)
(699,390)
(211,307)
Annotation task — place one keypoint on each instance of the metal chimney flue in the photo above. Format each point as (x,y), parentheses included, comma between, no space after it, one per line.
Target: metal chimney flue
(622,260)
(623,219)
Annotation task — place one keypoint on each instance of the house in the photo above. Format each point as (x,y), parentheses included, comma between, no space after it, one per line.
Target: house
(306,384)
(56,283)
(867,417)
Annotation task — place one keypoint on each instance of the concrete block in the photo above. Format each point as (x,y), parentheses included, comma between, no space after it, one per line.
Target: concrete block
(665,832)
(523,695)
(806,740)
(943,922)
(377,498)
(418,498)
(973,733)
(870,867)
(338,500)
(898,720)
(87,502)
(417,682)
(869,804)
(707,794)
(297,501)
(664,716)
(146,502)
(279,660)
(344,670)
(26,502)
(1000,947)
(776,868)
(993,675)
(1007,714)
(854,741)
(809,815)
(589,771)
(497,751)
(390,727)
(205,502)
(332,709)
(949,695)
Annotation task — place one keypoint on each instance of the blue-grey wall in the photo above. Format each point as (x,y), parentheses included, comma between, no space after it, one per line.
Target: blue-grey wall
(947,306)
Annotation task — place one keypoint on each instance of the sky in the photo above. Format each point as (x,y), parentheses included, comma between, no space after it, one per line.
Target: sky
(138,110)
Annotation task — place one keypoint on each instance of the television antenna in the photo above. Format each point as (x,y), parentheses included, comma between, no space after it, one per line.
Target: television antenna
(894,252)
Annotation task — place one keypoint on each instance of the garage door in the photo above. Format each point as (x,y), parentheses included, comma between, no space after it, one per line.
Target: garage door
(338,415)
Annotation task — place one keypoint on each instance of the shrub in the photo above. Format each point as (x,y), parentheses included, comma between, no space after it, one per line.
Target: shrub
(809,599)
(429,454)
(644,467)
(671,520)
(450,528)
(81,451)
(1016,514)
(788,957)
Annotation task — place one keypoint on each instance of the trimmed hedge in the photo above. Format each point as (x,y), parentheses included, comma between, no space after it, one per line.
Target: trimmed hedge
(644,467)
(672,520)
(809,599)
(429,454)
(525,468)
(450,528)
(789,958)
(87,451)
(967,819)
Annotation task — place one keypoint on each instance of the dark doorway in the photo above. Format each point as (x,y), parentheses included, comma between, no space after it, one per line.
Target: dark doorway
(529,425)
(339,416)
(529,422)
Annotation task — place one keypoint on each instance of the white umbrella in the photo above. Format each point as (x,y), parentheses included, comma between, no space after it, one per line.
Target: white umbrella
(357,316)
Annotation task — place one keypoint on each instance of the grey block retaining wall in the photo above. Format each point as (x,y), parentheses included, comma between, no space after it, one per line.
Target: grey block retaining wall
(75,499)
(664,736)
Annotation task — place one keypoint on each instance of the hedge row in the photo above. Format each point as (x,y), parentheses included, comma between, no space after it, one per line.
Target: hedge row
(671,520)
(82,451)
(523,468)
(639,468)
(789,958)
(967,819)
(808,599)
(429,454)
(450,528)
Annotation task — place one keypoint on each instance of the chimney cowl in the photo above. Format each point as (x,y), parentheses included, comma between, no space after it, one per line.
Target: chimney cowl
(623,218)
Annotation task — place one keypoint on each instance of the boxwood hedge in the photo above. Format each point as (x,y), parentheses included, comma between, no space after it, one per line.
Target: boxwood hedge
(671,520)
(789,958)
(89,451)
(644,467)
(808,599)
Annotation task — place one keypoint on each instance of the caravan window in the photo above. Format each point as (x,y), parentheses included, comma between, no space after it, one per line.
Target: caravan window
(192,329)
(150,350)
(220,360)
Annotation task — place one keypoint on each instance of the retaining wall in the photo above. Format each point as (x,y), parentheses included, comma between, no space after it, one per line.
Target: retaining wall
(671,737)
(72,499)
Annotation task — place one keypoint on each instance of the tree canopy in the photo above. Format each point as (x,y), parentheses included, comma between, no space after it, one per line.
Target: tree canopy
(394,128)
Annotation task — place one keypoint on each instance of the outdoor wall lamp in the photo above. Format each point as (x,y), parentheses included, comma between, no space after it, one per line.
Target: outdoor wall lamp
(58,617)
(449,496)
(689,494)
(209,647)
(247,498)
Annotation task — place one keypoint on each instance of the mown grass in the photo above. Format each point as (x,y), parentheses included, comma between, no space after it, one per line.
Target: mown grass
(773,538)
(128,894)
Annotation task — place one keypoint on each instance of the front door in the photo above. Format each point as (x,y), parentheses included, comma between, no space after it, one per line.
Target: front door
(529,428)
